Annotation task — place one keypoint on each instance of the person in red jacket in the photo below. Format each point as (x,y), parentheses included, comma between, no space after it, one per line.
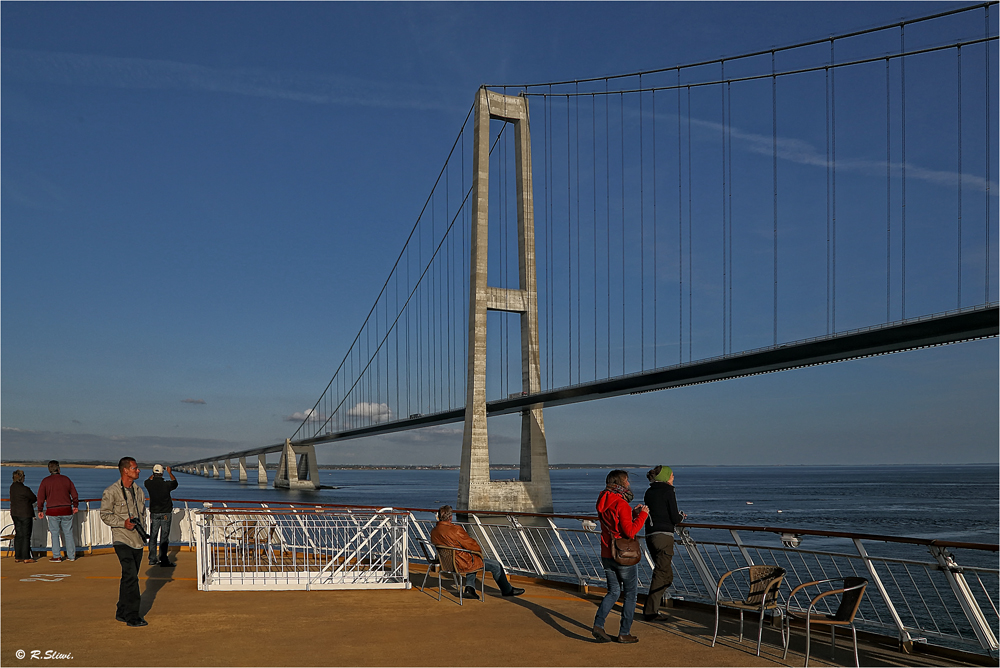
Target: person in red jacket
(618,520)
(57,495)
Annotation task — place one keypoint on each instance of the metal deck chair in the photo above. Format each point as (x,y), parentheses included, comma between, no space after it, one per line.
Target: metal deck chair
(446,561)
(762,595)
(430,556)
(852,592)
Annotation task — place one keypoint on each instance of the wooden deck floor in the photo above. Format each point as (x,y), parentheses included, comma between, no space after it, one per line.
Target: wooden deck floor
(69,609)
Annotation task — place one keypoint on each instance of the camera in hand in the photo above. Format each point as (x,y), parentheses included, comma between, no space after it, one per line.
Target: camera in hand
(137,525)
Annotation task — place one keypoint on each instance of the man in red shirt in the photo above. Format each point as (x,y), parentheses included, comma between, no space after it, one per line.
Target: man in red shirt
(57,495)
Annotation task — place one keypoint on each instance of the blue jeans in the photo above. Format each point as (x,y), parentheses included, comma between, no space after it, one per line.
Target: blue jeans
(496,570)
(62,524)
(619,577)
(159,523)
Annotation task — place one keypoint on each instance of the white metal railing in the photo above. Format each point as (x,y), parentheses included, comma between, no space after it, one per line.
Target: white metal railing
(919,590)
(293,548)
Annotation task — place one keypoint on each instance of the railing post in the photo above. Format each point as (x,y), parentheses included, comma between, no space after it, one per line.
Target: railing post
(535,561)
(953,573)
(699,564)
(739,544)
(904,636)
(572,561)
(486,539)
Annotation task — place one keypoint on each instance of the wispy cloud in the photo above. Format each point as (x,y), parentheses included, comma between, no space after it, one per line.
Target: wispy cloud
(33,445)
(142,74)
(192,401)
(299,416)
(372,411)
(803,153)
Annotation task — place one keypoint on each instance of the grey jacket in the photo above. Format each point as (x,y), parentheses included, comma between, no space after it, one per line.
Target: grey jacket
(117,505)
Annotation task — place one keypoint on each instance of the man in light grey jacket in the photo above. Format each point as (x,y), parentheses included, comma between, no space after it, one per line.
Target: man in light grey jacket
(123,507)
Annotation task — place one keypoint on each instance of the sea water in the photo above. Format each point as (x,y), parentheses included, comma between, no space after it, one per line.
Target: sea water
(955,503)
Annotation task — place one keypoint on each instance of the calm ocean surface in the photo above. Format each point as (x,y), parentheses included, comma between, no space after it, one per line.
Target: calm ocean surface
(960,503)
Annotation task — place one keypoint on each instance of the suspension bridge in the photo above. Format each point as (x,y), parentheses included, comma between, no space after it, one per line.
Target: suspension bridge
(814,203)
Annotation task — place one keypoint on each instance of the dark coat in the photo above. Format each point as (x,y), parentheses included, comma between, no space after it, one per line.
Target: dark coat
(21,498)
(662,502)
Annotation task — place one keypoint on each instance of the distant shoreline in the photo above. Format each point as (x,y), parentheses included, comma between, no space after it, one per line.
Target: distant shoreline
(443,467)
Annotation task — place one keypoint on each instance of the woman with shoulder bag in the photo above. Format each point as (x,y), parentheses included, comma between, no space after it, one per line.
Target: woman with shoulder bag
(619,553)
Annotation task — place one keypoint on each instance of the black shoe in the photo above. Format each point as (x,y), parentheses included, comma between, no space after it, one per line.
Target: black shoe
(138,621)
(514,591)
(154,563)
(470,592)
(658,617)
(601,635)
(167,564)
(119,618)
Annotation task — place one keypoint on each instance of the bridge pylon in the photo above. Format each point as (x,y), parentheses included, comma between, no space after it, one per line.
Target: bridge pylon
(532,491)
(298,468)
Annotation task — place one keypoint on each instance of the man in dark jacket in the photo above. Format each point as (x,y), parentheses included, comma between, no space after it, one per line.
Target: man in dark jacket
(449,534)
(21,498)
(57,494)
(663,515)
(161,507)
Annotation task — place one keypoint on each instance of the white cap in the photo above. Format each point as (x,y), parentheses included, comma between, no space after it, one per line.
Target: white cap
(158,468)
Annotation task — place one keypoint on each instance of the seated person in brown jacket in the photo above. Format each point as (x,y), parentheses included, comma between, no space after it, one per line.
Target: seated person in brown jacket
(452,535)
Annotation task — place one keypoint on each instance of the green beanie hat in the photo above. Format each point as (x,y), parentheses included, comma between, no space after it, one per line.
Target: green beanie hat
(664,474)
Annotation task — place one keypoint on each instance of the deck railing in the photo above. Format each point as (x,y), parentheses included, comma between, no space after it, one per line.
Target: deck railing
(920,590)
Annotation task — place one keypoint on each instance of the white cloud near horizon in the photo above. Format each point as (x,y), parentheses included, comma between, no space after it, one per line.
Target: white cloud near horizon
(377,413)
(147,74)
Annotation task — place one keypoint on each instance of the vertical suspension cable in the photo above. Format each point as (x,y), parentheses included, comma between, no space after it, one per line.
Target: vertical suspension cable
(593,171)
(902,85)
(827,109)
(690,236)
(642,245)
(888,196)
(774,181)
(989,153)
(833,185)
(959,301)
(654,232)
(621,105)
(569,247)
(579,309)
(680,230)
(722,91)
(607,215)
(729,96)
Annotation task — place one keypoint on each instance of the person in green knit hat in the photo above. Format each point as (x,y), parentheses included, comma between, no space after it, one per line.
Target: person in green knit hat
(663,516)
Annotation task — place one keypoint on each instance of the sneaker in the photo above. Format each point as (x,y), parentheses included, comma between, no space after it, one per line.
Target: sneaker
(514,591)
(627,639)
(601,635)
(55,559)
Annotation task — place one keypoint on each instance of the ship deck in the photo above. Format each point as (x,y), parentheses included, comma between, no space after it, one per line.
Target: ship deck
(69,609)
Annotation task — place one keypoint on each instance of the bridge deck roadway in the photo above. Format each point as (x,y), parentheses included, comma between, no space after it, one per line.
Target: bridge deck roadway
(925,332)
(69,608)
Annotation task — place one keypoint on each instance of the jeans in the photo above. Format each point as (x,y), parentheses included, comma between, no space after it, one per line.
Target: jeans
(128,590)
(494,568)
(22,537)
(159,523)
(62,524)
(619,577)
(661,549)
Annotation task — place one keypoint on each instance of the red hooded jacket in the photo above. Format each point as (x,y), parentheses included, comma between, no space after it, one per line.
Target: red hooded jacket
(617,520)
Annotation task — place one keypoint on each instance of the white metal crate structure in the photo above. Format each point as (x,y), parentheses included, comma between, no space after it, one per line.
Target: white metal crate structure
(301,548)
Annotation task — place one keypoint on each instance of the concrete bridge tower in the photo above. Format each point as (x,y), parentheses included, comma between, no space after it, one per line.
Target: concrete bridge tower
(532,491)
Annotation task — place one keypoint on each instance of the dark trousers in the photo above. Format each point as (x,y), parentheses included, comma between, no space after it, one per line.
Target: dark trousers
(159,523)
(661,550)
(128,591)
(22,537)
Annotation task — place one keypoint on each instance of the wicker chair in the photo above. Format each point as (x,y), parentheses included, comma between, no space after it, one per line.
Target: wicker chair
(762,595)
(852,592)
(446,560)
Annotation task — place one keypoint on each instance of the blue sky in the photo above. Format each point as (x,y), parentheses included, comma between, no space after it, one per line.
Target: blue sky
(201,201)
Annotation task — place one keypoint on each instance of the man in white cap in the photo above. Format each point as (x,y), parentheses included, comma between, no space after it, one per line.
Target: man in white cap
(161,507)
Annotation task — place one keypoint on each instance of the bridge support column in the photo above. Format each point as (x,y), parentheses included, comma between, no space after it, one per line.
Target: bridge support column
(262,469)
(243,469)
(532,491)
(228,470)
(204,470)
(215,469)
(301,474)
